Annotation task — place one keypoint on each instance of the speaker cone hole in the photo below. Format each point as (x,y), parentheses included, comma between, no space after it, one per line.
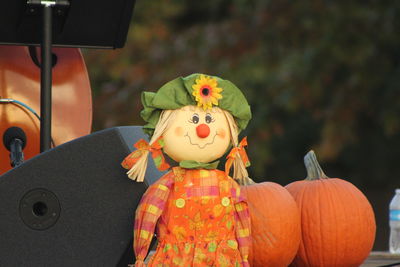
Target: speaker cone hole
(39,209)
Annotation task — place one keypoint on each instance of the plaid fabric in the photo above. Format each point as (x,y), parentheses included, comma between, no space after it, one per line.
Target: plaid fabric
(154,149)
(243,223)
(149,210)
(207,187)
(196,184)
(239,150)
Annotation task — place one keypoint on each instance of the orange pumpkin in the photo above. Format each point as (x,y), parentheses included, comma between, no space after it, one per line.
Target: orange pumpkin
(275,224)
(337,221)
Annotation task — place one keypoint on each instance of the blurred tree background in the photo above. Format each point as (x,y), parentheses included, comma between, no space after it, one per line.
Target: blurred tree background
(322,75)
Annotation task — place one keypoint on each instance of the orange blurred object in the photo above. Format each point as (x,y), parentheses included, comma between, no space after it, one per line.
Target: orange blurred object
(20,97)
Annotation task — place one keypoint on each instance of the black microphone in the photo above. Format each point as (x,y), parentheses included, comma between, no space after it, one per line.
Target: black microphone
(14,139)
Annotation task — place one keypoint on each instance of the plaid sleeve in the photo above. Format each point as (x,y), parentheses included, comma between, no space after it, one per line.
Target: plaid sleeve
(243,224)
(148,212)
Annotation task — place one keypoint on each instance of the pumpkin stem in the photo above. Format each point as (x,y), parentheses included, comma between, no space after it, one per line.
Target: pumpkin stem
(314,170)
(245,181)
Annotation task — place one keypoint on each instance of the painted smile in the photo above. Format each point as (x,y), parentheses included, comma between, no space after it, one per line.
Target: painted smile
(203,146)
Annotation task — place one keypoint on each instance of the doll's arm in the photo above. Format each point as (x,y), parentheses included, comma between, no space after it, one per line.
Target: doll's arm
(148,212)
(243,224)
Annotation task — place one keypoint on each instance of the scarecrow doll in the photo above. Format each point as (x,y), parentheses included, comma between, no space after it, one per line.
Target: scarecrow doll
(198,212)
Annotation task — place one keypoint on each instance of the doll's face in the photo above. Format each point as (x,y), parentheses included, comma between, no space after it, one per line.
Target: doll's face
(195,134)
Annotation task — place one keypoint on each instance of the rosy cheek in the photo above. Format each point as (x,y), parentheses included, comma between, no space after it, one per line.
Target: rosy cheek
(178,131)
(221,133)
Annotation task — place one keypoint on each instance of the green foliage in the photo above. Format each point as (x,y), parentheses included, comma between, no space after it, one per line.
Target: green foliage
(322,75)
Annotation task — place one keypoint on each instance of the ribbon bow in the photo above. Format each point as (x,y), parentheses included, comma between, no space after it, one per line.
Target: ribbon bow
(154,149)
(235,152)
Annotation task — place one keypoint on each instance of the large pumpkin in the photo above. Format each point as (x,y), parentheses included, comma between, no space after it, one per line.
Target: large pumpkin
(337,221)
(275,224)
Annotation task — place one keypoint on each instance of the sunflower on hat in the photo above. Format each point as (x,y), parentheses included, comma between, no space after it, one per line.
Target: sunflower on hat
(206,92)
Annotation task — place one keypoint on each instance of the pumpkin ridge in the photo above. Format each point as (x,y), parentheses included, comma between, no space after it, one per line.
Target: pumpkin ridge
(338,185)
(357,212)
(332,207)
(270,235)
(321,219)
(317,198)
(360,211)
(351,195)
(334,190)
(341,204)
(265,236)
(303,236)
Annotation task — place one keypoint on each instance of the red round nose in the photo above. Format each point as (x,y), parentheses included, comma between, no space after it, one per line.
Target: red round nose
(202,130)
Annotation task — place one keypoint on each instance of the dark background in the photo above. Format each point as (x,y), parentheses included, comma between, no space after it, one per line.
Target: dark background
(322,75)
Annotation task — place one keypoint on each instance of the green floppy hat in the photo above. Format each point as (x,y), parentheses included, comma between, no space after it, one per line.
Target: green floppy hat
(184,91)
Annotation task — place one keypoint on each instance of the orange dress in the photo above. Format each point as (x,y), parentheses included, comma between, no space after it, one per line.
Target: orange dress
(201,219)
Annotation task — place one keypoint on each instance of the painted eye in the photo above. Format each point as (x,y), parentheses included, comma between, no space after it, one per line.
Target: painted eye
(195,118)
(209,118)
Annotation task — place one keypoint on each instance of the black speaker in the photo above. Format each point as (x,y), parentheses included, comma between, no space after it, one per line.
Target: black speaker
(73,205)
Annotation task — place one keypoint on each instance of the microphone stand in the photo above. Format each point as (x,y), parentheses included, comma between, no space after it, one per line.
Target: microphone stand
(46,69)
